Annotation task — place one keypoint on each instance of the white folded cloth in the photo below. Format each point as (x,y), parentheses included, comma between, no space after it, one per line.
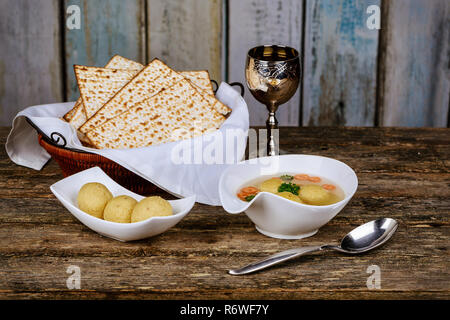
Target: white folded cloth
(182,168)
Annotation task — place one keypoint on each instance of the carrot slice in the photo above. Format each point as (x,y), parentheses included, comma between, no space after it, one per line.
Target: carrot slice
(249,190)
(241,196)
(301,176)
(314,179)
(328,187)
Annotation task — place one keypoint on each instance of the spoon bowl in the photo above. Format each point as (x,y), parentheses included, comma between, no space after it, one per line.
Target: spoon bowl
(369,235)
(361,239)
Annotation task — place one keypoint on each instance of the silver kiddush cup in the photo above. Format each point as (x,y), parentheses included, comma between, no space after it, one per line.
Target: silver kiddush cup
(272,73)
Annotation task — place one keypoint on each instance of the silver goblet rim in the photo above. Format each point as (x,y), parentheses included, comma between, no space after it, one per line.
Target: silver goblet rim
(296,53)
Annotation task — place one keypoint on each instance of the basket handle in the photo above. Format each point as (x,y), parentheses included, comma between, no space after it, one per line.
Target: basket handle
(240,85)
(51,140)
(60,141)
(58,137)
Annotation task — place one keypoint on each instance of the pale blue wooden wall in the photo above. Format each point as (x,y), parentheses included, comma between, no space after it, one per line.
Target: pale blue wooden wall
(340,64)
(109,27)
(352,76)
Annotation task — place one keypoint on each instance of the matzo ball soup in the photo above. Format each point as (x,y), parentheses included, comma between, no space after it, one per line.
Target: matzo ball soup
(298,187)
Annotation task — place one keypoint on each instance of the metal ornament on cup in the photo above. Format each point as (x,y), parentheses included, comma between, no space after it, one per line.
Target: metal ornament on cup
(272,73)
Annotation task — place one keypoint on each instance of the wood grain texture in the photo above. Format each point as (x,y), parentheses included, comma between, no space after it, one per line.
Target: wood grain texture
(187,35)
(108,27)
(259,22)
(30,58)
(402,173)
(339,85)
(415,63)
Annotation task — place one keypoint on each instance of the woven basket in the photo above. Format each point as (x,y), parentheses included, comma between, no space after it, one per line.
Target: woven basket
(72,162)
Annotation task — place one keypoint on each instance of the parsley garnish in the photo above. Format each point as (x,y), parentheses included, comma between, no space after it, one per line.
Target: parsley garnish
(289,187)
(250,197)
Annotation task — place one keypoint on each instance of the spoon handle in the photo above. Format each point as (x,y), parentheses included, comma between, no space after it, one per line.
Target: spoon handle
(274,259)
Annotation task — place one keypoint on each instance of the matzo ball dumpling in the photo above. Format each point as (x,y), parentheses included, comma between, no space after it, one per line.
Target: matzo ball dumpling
(271,185)
(151,207)
(119,209)
(315,195)
(290,196)
(93,197)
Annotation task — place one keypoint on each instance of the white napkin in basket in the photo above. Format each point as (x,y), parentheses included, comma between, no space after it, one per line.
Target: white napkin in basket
(163,165)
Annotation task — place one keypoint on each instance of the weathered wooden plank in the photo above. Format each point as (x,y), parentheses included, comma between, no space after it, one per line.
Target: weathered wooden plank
(187,35)
(377,195)
(108,27)
(51,230)
(341,137)
(253,23)
(414,63)
(340,64)
(30,56)
(367,150)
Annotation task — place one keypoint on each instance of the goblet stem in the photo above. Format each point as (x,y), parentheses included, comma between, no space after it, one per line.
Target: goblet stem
(271,125)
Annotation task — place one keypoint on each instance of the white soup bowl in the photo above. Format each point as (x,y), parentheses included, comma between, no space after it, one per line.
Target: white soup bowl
(275,216)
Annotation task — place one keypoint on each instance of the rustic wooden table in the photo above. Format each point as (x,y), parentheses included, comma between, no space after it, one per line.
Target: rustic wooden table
(403,174)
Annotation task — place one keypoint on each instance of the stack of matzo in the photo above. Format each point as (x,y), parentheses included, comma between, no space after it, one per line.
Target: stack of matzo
(77,115)
(127,105)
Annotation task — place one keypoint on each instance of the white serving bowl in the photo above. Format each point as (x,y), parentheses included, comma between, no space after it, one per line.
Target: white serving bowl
(66,190)
(278,217)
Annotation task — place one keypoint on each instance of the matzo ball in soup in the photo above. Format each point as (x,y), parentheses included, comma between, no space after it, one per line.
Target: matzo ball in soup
(290,196)
(271,185)
(298,187)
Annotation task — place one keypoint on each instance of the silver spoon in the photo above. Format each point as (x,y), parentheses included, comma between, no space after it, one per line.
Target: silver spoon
(361,239)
